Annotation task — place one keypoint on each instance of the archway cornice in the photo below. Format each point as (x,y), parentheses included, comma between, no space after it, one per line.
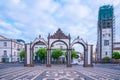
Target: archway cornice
(39,40)
(80,41)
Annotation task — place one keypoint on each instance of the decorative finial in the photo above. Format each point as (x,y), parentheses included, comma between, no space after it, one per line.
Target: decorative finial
(39,36)
(78,37)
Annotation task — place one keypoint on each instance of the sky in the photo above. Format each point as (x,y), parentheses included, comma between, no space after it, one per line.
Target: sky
(27,19)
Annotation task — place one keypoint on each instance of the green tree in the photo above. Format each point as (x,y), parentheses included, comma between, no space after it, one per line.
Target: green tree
(77,56)
(22,54)
(41,53)
(116,55)
(106,59)
(56,54)
(73,54)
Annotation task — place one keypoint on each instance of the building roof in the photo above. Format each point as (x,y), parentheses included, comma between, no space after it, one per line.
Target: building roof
(2,37)
(116,43)
(20,40)
(118,48)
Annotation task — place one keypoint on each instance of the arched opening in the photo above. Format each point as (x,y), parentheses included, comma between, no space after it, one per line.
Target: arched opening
(34,48)
(59,45)
(80,49)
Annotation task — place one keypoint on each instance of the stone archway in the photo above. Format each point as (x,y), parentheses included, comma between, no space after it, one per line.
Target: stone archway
(67,47)
(29,48)
(59,36)
(87,51)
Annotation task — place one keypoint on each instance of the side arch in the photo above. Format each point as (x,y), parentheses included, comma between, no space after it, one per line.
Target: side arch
(29,51)
(80,41)
(39,40)
(87,50)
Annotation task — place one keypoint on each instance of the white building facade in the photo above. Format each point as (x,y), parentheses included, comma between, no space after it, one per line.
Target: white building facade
(10,49)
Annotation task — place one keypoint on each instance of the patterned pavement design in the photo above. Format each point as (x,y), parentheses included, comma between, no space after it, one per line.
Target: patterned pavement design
(59,72)
(61,75)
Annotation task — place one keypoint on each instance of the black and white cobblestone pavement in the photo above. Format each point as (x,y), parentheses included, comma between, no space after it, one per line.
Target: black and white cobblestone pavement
(59,72)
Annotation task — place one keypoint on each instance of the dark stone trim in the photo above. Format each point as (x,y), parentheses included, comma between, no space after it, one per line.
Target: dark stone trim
(85,56)
(25,63)
(31,55)
(48,65)
(69,65)
(29,65)
(91,55)
(89,65)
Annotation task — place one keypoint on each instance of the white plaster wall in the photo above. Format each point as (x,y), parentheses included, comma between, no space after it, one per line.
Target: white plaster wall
(15,51)
(28,53)
(2,44)
(116,45)
(108,48)
(15,55)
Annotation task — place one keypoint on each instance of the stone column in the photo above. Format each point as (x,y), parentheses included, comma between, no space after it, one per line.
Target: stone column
(69,58)
(31,55)
(48,58)
(28,56)
(85,57)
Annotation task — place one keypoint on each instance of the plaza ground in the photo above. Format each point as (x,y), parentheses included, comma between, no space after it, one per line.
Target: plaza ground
(17,71)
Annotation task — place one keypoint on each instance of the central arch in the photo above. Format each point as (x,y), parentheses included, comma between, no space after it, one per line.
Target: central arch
(62,45)
(59,36)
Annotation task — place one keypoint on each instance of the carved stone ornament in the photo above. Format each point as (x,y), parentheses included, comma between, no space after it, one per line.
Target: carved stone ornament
(59,35)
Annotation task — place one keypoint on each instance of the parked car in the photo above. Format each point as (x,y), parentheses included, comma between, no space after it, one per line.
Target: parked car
(75,61)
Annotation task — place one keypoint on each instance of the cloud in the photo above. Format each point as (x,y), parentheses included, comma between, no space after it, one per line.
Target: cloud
(27,19)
